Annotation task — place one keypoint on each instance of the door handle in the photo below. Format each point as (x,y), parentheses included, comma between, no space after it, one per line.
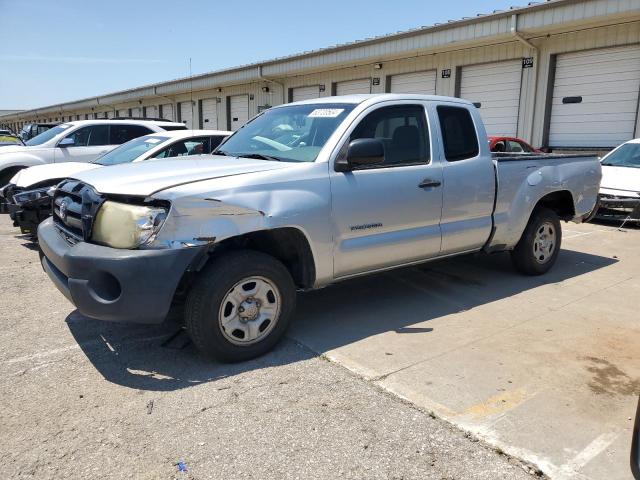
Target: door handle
(427,182)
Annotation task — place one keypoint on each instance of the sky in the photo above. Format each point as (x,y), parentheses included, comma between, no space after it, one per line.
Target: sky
(53,51)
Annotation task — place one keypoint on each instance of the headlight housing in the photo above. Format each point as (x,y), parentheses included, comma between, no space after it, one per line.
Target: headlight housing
(120,225)
(31,195)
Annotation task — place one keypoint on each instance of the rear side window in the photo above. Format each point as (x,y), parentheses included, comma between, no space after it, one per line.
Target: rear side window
(458,133)
(123,133)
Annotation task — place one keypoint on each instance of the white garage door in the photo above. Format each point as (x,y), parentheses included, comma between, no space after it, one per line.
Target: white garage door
(239,110)
(186,114)
(167,112)
(423,83)
(305,93)
(136,112)
(353,86)
(209,114)
(123,113)
(151,111)
(495,89)
(595,98)
(110,114)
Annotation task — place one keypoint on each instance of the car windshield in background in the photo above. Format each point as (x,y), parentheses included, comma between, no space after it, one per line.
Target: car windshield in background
(10,140)
(628,155)
(294,133)
(46,136)
(128,152)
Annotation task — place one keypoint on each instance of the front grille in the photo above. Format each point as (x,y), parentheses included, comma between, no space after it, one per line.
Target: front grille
(75,205)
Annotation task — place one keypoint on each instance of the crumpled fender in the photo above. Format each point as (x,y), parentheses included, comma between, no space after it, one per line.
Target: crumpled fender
(197,221)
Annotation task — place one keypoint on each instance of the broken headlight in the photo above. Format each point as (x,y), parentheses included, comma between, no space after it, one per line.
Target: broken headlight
(120,225)
(30,195)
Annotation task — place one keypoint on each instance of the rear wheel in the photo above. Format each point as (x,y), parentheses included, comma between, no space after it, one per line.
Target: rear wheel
(538,248)
(240,306)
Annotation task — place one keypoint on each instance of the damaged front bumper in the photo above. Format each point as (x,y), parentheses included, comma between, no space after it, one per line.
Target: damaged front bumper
(612,207)
(114,284)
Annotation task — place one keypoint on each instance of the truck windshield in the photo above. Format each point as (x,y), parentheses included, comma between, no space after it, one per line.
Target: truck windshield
(628,155)
(293,133)
(46,136)
(128,152)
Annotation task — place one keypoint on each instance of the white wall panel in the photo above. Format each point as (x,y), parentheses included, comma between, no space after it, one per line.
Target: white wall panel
(352,87)
(423,83)
(209,114)
(239,110)
(305,93)
(186,114)
(495,88)
(607,83)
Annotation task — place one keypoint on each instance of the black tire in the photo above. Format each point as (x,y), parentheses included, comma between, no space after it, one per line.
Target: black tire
(204,304)
(524,256)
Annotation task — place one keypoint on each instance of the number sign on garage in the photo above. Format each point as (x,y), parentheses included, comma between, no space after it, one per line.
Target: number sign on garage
(305,93)
(418,82)
(238,111)
(353,87)
(595,98)
(495,89)
(209,111)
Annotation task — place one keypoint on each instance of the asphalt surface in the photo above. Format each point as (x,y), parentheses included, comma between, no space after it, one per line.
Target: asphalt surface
(86,399)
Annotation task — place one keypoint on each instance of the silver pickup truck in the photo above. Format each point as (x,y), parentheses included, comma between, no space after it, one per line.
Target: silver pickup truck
(303,195)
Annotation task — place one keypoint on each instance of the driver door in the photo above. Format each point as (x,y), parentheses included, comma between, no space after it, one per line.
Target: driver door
(389,214)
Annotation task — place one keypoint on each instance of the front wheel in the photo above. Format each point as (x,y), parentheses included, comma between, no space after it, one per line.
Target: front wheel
(538,248)
(240,306)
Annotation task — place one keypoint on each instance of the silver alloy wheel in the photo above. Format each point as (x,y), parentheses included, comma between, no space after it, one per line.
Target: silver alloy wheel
(249,311)
(544,243)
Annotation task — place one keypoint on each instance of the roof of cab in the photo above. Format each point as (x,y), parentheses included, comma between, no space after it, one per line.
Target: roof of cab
(373,97)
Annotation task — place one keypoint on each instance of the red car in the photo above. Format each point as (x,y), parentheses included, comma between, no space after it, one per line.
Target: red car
(511,145)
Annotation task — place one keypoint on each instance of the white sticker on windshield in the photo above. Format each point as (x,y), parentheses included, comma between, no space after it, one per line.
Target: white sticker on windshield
(152,140)
(326,112)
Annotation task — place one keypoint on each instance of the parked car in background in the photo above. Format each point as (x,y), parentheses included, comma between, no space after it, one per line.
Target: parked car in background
(31,130)
(25,197)
(510,145)
(370,183)
(80,141)
(8,139)
(619,197)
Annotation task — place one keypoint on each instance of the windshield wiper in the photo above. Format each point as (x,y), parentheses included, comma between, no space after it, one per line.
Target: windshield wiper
(222,152)
(260,156)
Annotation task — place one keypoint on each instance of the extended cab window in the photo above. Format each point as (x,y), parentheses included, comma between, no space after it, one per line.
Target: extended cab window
(123,133)
(403,131)
(458,133)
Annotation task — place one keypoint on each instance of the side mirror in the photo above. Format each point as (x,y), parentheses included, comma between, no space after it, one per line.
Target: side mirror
(362,152)
(67,142)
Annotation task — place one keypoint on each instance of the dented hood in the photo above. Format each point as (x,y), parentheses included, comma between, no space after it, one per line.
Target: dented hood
(146,178)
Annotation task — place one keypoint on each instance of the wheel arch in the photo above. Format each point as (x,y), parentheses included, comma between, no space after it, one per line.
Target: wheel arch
(560,201)
(287,244)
